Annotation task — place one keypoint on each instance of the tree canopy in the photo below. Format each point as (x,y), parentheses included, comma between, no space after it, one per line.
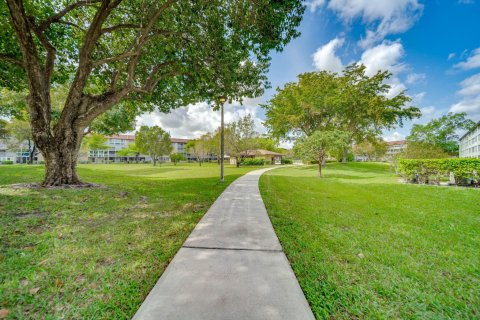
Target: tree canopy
(153,141)
(141,54)
(239,136)
(318,145)
(352,101)
(442,132)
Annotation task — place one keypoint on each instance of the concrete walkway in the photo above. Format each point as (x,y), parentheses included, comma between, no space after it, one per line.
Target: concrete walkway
(231,267)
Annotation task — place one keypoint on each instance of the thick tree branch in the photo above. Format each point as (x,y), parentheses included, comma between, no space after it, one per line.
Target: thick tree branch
(11,59)
(121,26)
(143,37)
(73,105)
(58,16)
(39,97)
(51,51)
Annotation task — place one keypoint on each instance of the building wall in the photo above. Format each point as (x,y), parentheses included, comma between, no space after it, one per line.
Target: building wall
(470,144)
(394,148)
(120,142)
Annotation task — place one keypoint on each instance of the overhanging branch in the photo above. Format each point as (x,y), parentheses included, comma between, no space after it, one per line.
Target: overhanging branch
(56,17)
(11,59)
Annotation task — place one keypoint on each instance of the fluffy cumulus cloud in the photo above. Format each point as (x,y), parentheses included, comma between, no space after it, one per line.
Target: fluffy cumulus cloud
(325,58)
(194,120)
(395,136)
(470,93)
(385,56)
(413,78)
(472,62)
(381,17)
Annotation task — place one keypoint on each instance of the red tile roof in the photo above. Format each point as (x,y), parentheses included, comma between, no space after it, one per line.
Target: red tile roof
(260,152)
(391,143)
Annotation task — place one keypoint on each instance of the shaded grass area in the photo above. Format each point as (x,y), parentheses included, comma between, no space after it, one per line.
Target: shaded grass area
(365,246)
(96,253)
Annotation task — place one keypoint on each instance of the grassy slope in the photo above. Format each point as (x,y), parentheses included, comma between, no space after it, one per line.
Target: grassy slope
(420,244)
(96,253)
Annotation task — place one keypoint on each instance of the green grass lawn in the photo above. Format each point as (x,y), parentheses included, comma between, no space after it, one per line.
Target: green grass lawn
(365,246)
(96,253)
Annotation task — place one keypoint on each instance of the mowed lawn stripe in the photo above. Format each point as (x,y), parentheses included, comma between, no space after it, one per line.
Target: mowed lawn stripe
(364,245)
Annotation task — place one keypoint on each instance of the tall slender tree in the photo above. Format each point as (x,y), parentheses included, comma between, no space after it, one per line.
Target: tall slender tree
(140,53)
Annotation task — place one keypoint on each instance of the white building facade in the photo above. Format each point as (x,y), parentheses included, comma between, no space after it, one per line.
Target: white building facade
(121,141)
(394,148)
(470,144)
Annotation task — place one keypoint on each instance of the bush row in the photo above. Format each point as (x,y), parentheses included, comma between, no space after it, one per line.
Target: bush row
(426,170)
(7,162)
(252,162)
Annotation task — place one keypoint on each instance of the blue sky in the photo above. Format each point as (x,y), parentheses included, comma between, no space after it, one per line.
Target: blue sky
(431,47)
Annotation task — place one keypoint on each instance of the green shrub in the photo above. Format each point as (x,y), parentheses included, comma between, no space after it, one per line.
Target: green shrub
(287,161)
(425,169)
(7,162)
(252,162)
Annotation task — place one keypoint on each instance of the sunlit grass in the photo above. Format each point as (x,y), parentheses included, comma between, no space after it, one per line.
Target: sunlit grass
(96,253)
(365,246)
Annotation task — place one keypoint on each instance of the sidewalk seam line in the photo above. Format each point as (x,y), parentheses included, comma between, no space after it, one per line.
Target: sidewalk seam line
(233,249)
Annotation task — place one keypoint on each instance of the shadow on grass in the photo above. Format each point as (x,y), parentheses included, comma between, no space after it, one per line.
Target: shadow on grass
(114,242)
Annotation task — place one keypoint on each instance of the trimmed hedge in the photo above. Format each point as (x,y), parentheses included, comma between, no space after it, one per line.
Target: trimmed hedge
(426,170)
(287,161)
(7,162)
(252,162)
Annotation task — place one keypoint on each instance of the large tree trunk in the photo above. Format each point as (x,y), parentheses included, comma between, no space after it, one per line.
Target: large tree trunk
(319,168)
(61,159)
(344,155)
(60,168)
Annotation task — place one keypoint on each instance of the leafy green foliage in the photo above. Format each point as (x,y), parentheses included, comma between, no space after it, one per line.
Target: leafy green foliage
(287,161)
(442,132)
(95,141)
(177,157)
(317,146)
(239,136)
(200,147)
(422,150)
(252,162)
(153,141)
(432,169)
(374,150)
(352,102)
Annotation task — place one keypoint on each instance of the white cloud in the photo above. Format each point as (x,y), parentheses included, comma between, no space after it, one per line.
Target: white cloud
(472,62)
(469,105)
(381,17)
(470,86)
(385,56)
(314,4)
(194,120)
(451,56)
(428,111)
(416,78)
(470,92)
(325,57)
(418,97)
(396,136)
